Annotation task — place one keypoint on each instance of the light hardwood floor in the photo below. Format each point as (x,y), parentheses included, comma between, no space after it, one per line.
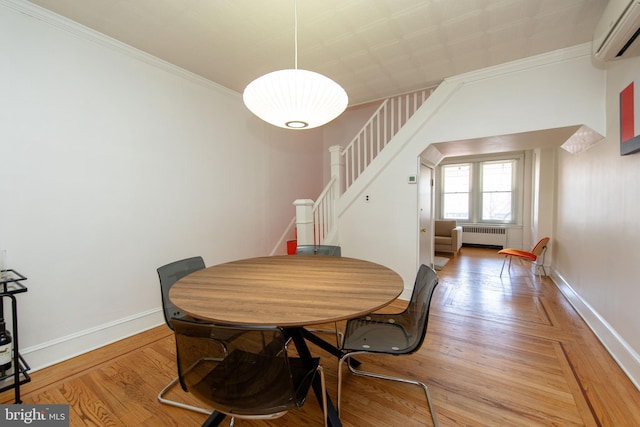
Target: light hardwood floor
(505,351)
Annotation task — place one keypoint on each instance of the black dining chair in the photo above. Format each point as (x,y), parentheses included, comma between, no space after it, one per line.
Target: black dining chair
(322,250)
(170,274)
(392,334)
(327,250)
(243,371)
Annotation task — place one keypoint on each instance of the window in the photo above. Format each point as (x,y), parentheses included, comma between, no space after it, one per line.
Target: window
(456,188)
(497,186)
(483,191)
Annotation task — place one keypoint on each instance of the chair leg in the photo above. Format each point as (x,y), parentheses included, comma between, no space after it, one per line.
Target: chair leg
(340,360)
(544,255)
(323,386)
(505,260)
(538,267)
(384,377)
(161,399)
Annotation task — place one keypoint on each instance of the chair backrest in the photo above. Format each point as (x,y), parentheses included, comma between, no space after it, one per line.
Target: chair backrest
(540,246)
(444,227)
(170,274)
(415,317)
(239,370)
(326,250)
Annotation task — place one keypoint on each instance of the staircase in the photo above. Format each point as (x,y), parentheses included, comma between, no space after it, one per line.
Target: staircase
(316,221)
(379,131)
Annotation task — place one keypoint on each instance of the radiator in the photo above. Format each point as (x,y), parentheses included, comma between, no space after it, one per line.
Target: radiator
(484,235)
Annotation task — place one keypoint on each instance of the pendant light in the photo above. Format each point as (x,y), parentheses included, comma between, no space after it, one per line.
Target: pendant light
(295,98)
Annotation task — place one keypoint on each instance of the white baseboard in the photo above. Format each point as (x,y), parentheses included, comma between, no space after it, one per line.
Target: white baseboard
(621,352)
(51,352)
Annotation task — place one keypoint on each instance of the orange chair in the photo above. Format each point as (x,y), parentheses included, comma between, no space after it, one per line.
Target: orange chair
(539,249)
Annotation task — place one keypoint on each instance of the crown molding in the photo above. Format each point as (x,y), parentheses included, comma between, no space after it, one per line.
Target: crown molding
(78,30)
(556,56)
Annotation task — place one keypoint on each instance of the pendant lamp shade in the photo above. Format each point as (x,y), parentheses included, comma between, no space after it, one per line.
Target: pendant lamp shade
(295,99)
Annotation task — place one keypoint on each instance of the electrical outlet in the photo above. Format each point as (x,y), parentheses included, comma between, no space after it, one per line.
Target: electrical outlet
(367,198)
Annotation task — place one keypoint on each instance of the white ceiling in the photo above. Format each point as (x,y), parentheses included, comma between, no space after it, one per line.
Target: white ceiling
(373,48)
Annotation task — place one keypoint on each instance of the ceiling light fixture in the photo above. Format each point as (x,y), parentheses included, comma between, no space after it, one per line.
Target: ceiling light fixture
(294,98)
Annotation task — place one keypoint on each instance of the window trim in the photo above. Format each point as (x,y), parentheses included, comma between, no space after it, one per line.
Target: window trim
(475,196)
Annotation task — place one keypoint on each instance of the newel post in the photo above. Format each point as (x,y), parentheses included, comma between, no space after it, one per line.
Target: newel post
(337,168)
(304,221)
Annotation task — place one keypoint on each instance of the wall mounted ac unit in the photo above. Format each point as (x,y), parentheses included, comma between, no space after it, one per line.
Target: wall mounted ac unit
(616,35)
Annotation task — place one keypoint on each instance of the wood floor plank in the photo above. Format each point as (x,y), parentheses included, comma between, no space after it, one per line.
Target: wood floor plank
(507,351)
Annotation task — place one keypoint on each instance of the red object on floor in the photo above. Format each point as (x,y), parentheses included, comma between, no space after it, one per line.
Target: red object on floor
(292,245)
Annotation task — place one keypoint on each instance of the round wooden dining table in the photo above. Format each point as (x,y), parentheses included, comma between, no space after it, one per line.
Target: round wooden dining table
(290,292)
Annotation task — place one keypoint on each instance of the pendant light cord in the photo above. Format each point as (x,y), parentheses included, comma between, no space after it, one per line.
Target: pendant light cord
(295,32)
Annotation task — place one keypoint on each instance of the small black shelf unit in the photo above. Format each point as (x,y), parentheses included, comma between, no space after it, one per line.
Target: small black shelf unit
(11,285)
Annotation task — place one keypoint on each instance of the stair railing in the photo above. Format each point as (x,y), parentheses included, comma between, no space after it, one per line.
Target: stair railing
(324,218)
(383,125)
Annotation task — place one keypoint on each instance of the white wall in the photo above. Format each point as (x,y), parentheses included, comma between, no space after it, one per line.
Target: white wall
(598,231)
(554,90)
(114,163)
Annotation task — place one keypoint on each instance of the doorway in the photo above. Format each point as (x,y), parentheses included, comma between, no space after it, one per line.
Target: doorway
(425,215)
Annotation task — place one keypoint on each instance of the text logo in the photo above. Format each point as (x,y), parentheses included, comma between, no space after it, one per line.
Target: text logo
(34,415)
